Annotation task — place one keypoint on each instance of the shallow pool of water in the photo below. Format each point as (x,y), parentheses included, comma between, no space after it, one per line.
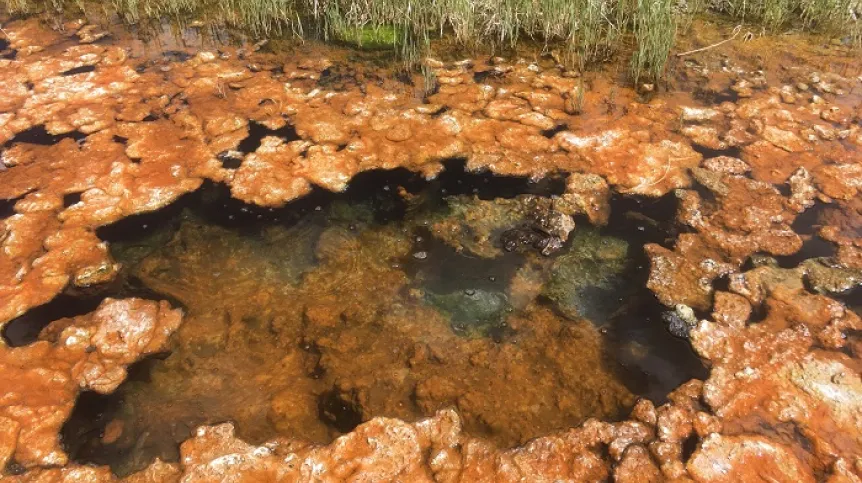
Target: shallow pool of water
(397,298)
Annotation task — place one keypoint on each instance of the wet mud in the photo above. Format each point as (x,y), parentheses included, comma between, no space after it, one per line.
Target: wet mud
(267,267)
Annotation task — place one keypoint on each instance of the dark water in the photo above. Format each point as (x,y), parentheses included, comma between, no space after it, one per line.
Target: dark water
(276,300)
(39,135)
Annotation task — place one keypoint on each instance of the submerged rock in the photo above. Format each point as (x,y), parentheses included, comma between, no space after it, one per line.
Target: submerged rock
(521,224)
(825,277)
(820,274)
(472,312)
(587,280)
(680,321)
(472,225)
(528,238)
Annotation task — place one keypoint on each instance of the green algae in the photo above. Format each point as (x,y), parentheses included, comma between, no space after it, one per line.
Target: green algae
(473,312)
(585,281)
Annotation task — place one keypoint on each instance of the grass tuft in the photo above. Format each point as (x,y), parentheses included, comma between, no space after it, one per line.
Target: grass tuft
(584,31)
(834,17)
(654,30)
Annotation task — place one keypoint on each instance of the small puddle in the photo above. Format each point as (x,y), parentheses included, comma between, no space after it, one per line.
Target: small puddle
(258,131)
(397,298)
(7,207)
(39,135)
(84,69)
(5,51)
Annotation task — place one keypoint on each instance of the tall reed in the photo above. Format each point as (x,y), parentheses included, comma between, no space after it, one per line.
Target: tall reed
(586,31)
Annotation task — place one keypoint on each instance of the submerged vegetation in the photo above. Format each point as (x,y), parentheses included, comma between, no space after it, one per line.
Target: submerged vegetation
(586,31)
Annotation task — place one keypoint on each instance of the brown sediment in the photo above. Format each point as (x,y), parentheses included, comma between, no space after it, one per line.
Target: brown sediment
(782,400)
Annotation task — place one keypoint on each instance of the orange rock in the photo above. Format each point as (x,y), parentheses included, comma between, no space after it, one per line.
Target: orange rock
(41,381)
(746,458)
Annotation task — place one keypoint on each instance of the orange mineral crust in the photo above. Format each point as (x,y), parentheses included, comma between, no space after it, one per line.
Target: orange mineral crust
(756,146)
